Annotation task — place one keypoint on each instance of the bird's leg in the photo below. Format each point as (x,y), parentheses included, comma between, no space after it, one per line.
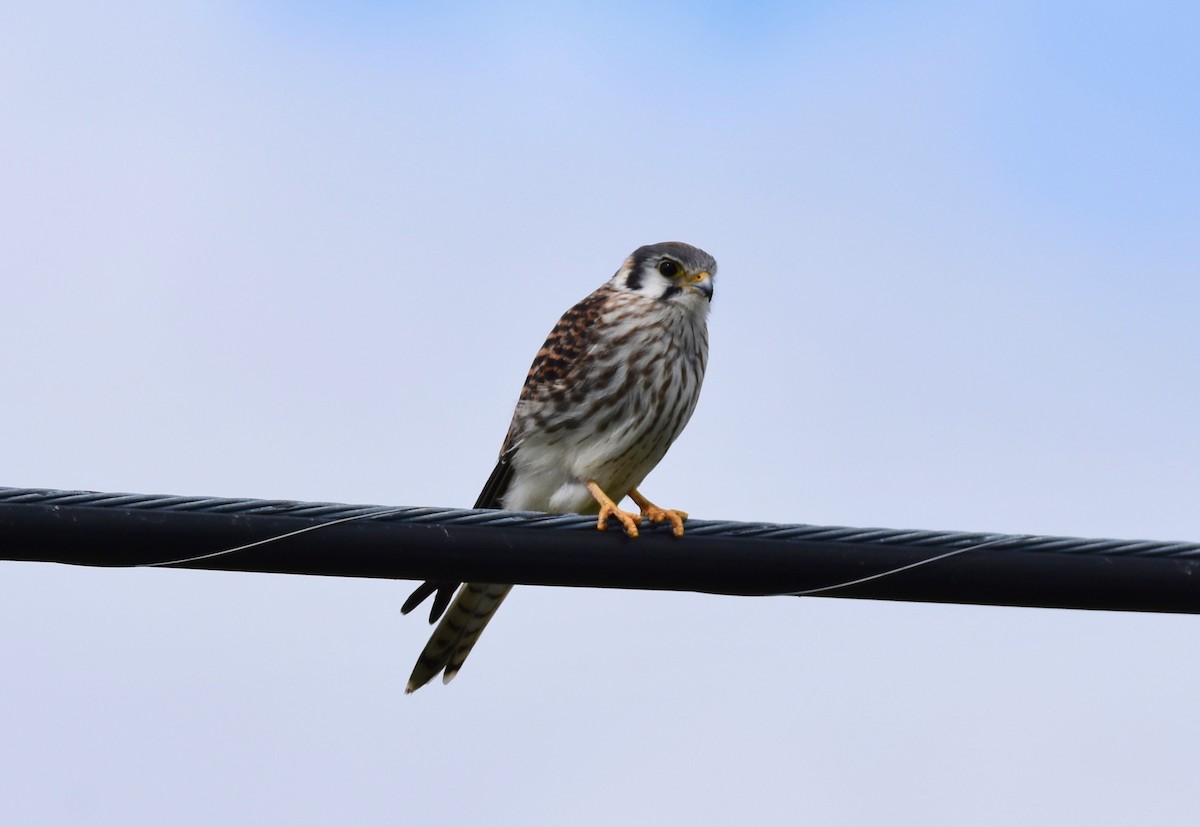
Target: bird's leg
(658,515)
(609,508)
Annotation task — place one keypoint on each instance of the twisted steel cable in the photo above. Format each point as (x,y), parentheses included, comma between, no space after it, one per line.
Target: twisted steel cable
(715,556)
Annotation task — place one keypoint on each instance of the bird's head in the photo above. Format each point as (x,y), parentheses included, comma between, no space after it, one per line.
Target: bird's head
(669,271)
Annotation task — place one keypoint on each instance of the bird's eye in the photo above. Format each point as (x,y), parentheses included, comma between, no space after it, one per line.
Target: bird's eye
(668,268)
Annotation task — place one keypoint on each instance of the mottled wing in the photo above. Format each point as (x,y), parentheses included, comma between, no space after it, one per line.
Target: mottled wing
(562,355)
(567,343)
(461,626)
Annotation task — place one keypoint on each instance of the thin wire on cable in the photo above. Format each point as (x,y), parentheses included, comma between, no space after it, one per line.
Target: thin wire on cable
(802,593)
(897,570)
(263,542)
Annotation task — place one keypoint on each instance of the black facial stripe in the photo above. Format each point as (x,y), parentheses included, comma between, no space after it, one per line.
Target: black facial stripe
(634,280)
(671,291)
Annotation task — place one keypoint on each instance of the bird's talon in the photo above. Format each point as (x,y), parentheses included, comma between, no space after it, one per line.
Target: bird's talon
(629,521)
(666,515)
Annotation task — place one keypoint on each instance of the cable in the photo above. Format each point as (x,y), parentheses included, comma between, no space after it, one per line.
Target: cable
(720,557)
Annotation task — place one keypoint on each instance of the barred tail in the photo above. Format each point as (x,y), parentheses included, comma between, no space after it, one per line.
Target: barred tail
(456,634)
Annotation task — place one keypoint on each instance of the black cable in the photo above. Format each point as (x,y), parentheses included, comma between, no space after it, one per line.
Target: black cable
(720,557)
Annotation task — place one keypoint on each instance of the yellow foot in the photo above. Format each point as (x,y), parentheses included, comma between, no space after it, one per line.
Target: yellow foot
(608,508)
(654,514)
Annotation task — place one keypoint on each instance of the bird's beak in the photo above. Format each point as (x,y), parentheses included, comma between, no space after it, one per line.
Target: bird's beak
(702,283)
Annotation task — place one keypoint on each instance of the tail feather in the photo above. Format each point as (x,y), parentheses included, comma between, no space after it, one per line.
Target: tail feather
(454,636)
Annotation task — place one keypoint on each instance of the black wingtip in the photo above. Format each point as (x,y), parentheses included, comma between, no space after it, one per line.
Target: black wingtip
(441,601)
(445,591)
(490,497)
(418,596)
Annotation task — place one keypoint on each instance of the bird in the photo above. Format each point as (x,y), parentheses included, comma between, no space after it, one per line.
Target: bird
(612,387)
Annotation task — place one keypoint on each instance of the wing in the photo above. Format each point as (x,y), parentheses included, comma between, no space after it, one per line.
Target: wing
(559,356)
(495,488)
(491,497)
(559,367)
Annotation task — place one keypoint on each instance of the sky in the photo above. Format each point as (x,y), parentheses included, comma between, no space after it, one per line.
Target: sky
(307,250)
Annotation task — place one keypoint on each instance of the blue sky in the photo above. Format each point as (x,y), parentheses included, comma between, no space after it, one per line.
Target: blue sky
(307,251)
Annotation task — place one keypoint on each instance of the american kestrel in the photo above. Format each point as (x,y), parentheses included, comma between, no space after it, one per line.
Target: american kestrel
(610,390)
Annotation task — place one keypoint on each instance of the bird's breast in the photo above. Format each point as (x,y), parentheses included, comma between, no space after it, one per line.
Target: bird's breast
(613,418)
